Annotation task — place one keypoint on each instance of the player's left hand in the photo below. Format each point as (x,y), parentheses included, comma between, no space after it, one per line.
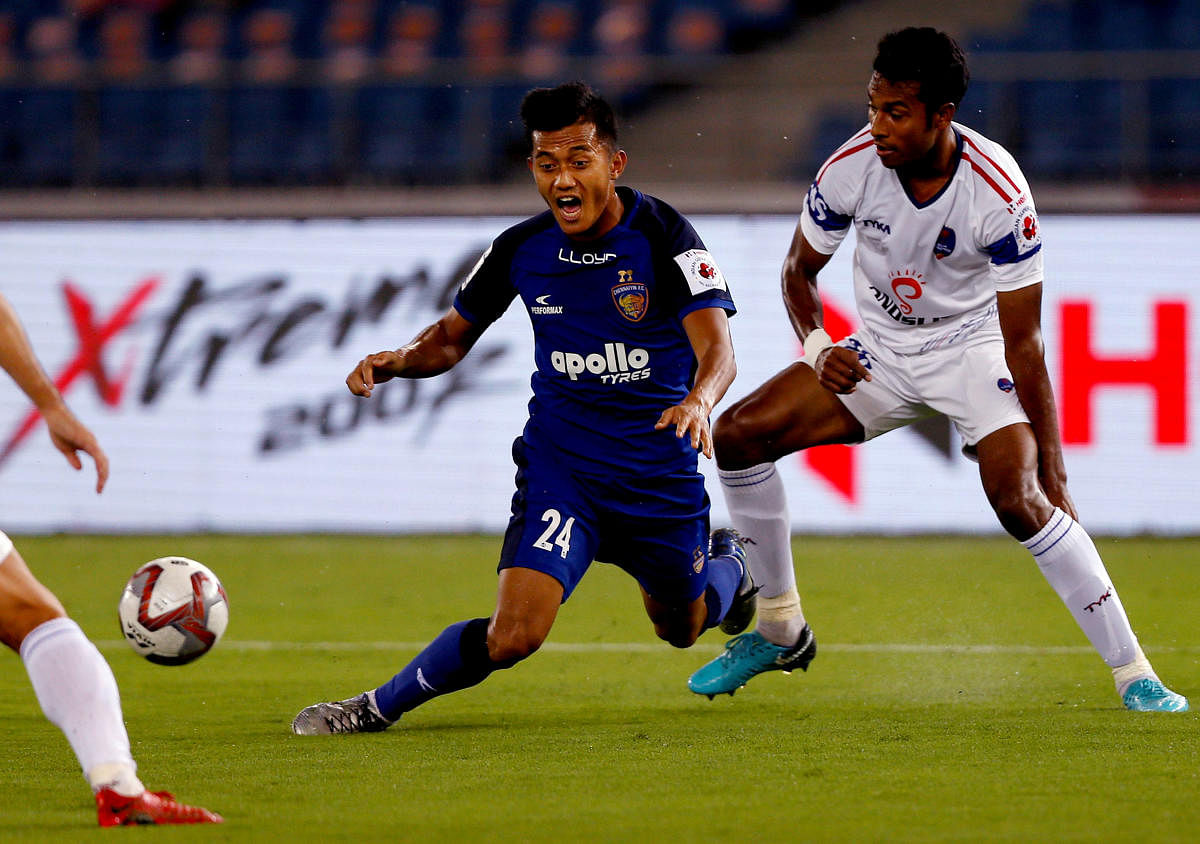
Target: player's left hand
(1056,491)
(70,436)
(690,420)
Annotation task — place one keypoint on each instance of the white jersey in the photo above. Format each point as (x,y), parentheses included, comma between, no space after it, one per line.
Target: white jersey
(926,274)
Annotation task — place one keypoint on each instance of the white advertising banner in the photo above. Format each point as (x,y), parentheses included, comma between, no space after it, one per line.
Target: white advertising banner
(210,357)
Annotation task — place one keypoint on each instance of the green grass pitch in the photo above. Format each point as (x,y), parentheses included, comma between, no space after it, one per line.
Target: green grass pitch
(953,699)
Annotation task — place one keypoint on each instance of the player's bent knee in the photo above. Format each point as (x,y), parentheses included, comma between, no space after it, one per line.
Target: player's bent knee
(25,604)
(676,636)
(735,441)
(1021,511)
(20,620)
(511,646)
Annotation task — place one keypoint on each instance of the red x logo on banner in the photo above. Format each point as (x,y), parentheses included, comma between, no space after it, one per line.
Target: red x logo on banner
(92,340)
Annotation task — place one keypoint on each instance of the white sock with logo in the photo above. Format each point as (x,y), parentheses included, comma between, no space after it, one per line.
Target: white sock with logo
(758,509)
(78,693)
(1070,562)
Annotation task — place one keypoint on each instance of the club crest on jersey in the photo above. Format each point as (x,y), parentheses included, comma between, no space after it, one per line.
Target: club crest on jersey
(632,298)
(698,560)
(945,243)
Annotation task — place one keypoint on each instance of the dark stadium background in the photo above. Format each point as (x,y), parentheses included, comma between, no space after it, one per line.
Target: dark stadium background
(151,108)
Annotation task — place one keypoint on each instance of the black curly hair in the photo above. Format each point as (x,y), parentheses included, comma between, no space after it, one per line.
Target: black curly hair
(548,109)
(931,58)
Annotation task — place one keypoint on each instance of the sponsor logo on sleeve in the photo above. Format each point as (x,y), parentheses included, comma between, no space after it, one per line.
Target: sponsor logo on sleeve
(701,271)
(1026,229)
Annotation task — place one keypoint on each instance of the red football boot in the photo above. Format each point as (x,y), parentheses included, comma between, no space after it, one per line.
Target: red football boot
(149,807)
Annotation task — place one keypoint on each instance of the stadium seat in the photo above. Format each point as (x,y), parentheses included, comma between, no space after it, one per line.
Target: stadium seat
(1181,24)
(832,130)
(189,115)
(988,108)
(279,134)
(1175,127)
(1071,130)
(1049,25)
(42,132)
(129,133)
(410,134)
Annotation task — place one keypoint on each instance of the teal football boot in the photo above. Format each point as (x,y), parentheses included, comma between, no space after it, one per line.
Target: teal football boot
(748,655)
(1150,695)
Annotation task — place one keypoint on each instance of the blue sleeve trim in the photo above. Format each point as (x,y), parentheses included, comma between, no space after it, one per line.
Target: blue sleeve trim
(715,301)
(1004,251)
(821,214)
(464,312)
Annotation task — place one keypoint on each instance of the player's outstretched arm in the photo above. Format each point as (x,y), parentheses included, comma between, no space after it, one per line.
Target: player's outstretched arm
(69,435)
(1021,324)
(837,369)
(434,350)
(708,332)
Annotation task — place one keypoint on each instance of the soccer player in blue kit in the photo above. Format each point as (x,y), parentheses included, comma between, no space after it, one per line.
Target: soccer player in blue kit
(632,351)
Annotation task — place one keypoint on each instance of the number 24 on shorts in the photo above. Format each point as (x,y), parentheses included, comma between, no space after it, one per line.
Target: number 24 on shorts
(563,537)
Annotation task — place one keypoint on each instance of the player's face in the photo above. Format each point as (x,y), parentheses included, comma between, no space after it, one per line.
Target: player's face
(900,123)
(576,173)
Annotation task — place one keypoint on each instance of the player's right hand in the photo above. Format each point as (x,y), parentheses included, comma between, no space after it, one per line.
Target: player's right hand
(374,369)
(839,369)
(70,436)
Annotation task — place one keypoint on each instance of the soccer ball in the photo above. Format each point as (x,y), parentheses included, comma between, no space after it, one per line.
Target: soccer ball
(173,610)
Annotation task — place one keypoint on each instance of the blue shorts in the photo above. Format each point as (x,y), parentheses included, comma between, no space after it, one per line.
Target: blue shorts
(655,528)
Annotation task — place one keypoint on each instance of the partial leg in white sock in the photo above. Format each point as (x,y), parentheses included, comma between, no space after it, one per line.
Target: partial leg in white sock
(758,508)
(78,693)
(1069,560)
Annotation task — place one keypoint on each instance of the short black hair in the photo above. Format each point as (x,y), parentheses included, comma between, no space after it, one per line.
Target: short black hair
(549,109)
(931,58)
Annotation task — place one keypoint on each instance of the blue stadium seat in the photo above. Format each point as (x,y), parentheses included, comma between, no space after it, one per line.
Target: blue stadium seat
(832,130)
(189,115)
(279,134)
(154,135)
(41,129)
(1175,127)
(128,133)
(1048,26)
(1070,129)
(987,107)
(410,134)
(1115,25)
(504,140)
(1181,23)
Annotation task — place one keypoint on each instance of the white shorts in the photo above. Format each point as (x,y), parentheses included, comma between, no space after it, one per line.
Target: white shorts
(967,382)
(6,546)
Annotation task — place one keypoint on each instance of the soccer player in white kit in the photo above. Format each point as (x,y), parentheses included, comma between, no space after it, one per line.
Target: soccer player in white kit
(948,284)
(73,683)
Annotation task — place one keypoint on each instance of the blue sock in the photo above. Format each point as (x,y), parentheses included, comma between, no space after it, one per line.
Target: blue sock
(724,578)
(456,659)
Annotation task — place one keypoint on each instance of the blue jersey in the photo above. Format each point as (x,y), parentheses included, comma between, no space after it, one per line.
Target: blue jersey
(610,350)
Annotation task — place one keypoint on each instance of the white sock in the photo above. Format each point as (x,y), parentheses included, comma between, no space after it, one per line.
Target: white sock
(758,509)
(1125,676)
(1069,561)
(78,693)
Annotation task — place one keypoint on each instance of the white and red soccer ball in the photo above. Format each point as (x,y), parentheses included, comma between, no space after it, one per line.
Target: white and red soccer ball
(173,610)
